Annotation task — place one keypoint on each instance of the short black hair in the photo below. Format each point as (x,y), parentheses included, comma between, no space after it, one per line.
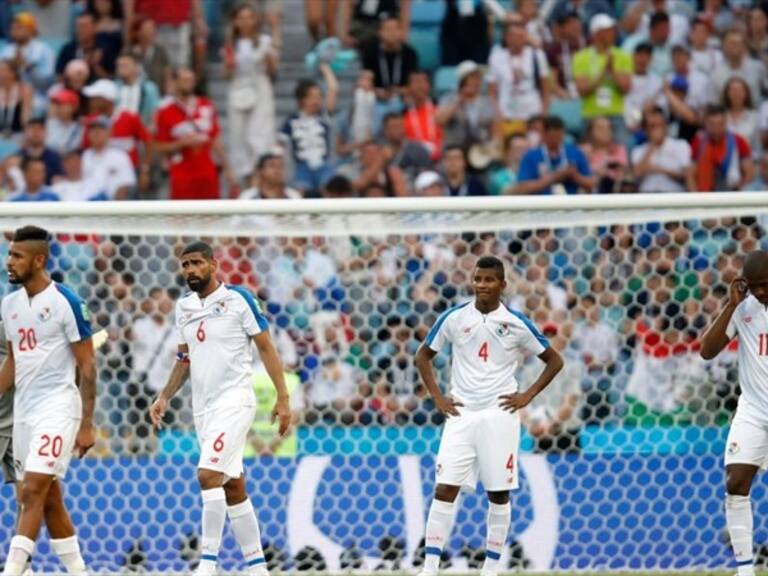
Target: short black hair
(391,116)
(455,148)
(659,17)
(553,123)
(653,111)
(26,233)
(302,89)
(644,48)
(339,186)
(27,161)
(264,158)
(714,110)
(199,246)
(491,262)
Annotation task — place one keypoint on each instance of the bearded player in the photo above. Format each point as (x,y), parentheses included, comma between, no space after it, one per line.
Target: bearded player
(745,315)
(482,430)
(216,325)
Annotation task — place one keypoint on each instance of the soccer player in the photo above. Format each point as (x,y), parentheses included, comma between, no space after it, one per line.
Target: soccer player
(745,314)
(216,325)
(482,429)
(49,337)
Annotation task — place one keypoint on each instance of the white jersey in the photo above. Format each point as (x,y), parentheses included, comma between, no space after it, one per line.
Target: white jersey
(750,323)
(218,331)
(41,331)
(487,350)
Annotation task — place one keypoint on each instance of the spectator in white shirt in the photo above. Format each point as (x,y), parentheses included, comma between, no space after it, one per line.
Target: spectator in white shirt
(269,180)
(740,113)
(705,51)
(645,89)
(110,168)
(73,187)
(661,164)
(737,62)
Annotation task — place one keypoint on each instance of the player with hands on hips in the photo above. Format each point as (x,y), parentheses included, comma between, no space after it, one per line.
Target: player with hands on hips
(482,430)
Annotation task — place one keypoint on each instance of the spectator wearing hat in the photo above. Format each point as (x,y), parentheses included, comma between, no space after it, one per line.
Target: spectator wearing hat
(108,168)
(464,33)
(128,132)
(429,183)
(518,78)
(64,132)
(554,167)
(603,75)
(466,116)
(33,57)
(269,180)
(567,39)
(658,38)
(136,94)
(663,162)
(35,187)
(87,46)
(76,76)
(33,146)
(737,62)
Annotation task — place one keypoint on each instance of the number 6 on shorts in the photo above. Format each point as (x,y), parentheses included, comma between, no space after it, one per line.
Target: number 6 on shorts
(218,444)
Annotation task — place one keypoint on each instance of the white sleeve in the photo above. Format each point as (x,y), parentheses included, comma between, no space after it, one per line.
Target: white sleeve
(440,334)
(733,326)
(764,116)
(493,76)
(543,64)
(253,320)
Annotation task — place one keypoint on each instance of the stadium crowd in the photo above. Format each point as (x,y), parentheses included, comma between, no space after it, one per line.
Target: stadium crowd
(105,100)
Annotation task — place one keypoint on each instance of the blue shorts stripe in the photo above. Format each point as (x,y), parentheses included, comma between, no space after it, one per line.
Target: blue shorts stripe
(256,561)
(492,555)
(210,557)
(432,551)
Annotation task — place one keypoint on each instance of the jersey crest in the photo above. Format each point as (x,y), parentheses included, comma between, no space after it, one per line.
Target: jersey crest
(44,315)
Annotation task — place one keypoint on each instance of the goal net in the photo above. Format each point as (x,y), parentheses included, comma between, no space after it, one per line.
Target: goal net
(621,457)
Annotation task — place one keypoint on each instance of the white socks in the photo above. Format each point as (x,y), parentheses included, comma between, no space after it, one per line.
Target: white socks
(68,551)
(497,529)
(248,536)
(439,524)
(20,550)
(738,515)
(214,516)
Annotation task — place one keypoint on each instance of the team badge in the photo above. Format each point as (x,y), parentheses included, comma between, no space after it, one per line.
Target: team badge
(503,329)
(733,448)
(748,319)
(44,315)
(219,308)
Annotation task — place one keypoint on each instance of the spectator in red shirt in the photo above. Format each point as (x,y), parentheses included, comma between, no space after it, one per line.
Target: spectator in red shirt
(128,132)
(188,135)
(420,122)
(722,160)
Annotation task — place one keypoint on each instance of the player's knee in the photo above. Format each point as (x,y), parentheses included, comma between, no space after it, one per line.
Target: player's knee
(234,491)
(737,484)
(446,493)
(209,479)
(499,498)
(34,493)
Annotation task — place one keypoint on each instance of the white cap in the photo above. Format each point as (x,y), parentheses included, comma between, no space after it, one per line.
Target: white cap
(601,22)
(465,69)
(427,179)
(102,89)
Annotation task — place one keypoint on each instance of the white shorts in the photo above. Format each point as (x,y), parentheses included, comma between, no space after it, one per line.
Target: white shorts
(44,445)
(748,438)
(222,435)
(480,444)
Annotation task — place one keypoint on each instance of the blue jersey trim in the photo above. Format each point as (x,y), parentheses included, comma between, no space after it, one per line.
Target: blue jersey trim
(531,326)
(77,305)
(251,301)
(436,326)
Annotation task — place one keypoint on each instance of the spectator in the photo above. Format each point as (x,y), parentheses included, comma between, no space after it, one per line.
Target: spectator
(568,40)
(250,63)
(88,46)
(16,102)
(109,168)
(740,113)
(466,116)
(737,63)
(429,183)
(331,389)
(73,186)
(646,87)
(722,160)
(308,132)
(408,155)
(608,159)
(555,167)
(128,132)
(53,17)
(504,179)
(420,116)
(178,23)
(271,12)
(269,181)
(603,75)
(64,132)
(392,61)
(357,126)
(663,162)
(373,168)
(458,182)
(705,54)
(360,20)
(585,9)
(136,94)
(535,27)
(638,18)
(153,57)
(188,136)
(760,183)
(338,186)
(319,15)
(757,34)
(75,78)
(658,39)
(518,77)
(33,146)
(33,58)
(464,33)
(717,15)
(108,15)
(686,93)
(35,187)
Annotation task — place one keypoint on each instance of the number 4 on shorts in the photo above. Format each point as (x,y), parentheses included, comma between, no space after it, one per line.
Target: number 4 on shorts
(511,463)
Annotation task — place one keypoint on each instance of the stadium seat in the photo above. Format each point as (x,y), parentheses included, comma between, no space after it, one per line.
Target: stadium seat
(570,112)
(427,12)
(445,80)
(427,46)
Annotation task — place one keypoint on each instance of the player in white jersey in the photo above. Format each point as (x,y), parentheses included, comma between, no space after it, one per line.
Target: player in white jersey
(49,338)
(216,325)
(745,315)
(482,429)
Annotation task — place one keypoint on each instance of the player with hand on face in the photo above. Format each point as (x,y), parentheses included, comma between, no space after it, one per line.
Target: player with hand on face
(49,339)
(216,325)
(745,314)
(482,430)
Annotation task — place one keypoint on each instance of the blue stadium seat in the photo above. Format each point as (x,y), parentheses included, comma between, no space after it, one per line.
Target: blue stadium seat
(445,80)
(427,12)
(427,46)
(570,112)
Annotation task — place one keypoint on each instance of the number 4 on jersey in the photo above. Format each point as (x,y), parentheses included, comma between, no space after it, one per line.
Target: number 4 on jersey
(483,352)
